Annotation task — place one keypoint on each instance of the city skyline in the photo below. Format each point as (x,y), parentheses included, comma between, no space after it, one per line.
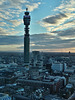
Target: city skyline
(51,30)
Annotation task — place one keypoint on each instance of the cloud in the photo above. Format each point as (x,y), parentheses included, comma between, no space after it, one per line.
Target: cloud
(11,12)
(2,16)
(3,31)
(33,6)
(67,25)
(55,18)
(66,6)
(64,17)
(15,22)
(59,21)
(10,48)
(45,42)
(69,33)
(11,40)
(2,23)
(61,26)
(48,43)
(14,2)
(2,1)
(9,31)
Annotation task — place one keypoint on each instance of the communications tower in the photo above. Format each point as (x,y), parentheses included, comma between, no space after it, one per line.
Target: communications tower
(26,20)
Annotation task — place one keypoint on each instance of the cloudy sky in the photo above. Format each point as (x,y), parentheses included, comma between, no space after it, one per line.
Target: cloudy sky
(52,26)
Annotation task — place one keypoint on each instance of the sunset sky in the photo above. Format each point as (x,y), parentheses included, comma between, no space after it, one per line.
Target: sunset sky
(52,27)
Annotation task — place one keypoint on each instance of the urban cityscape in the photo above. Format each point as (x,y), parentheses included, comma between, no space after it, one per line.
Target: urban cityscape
(51,76)
(47,72)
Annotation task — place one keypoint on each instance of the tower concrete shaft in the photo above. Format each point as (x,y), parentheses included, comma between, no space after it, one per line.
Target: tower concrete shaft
(26,20)
(26,46)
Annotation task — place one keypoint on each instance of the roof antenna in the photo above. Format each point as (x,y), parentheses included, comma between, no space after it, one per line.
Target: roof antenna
(26,9)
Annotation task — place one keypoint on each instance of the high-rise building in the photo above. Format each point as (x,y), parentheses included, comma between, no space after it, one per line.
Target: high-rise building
(26,20)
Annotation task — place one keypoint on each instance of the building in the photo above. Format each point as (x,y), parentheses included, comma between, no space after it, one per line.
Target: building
(57,66)
(72,80)
(20,97)
(26,20)
(36,59)
(4,96)
(54,83)
(69,71)
(72,97)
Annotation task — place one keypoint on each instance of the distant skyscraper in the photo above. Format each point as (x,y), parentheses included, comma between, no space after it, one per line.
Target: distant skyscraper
(26,20)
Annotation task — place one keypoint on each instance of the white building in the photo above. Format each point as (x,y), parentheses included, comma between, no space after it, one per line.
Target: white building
(57,66)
